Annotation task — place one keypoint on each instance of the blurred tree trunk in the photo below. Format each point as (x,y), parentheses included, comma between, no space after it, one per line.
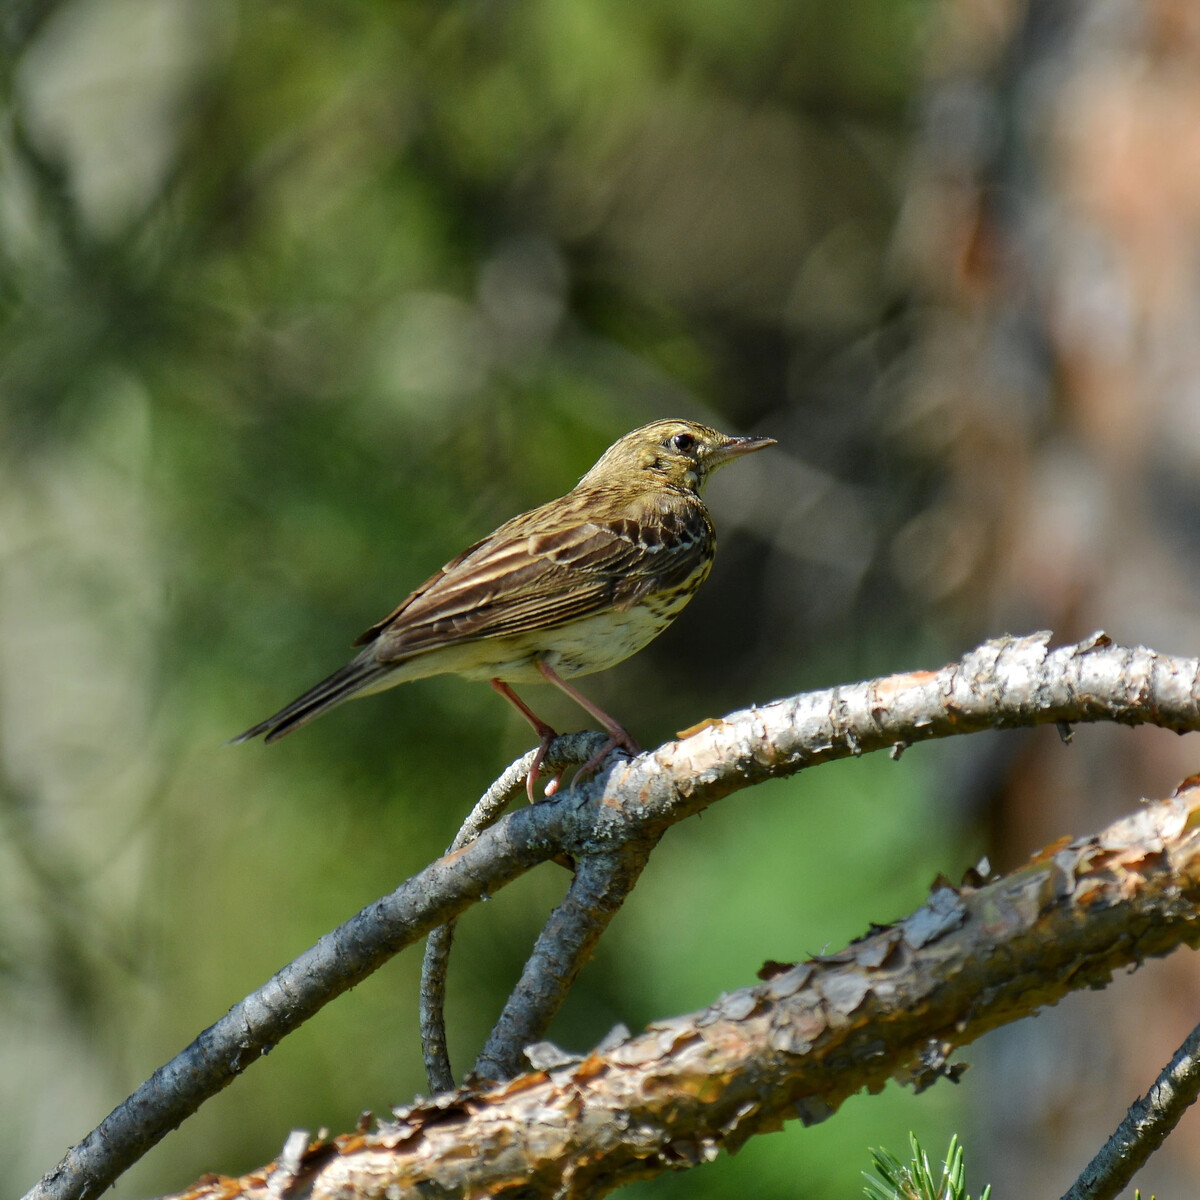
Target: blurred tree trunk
(1052,229)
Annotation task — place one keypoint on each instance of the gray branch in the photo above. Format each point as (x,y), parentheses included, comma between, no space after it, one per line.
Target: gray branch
(601,884)
(567,751)
(256,1024)
(1145,1126)
(1006,683)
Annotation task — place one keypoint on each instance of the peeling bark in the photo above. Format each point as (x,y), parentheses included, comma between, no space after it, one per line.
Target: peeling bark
(892,1005)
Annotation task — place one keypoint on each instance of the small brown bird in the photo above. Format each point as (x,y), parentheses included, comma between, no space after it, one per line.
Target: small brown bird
(566,589)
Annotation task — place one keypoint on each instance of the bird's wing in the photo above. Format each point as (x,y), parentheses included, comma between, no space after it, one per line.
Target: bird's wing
(370,635)
(527,577)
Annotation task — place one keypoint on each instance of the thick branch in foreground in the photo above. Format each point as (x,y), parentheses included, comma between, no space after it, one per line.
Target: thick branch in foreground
(1006,683)
(796,1046)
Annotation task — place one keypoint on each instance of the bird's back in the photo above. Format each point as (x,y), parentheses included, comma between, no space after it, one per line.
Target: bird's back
(590,579)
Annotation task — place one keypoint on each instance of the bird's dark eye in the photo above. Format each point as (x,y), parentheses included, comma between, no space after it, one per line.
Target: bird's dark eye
(683,441)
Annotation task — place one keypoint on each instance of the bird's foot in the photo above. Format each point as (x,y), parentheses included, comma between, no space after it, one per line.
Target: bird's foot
(618,739)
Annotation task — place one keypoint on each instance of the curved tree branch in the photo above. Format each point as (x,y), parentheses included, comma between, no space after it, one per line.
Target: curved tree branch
(892,1005)
(571,750)
(601,884)
(1005,683)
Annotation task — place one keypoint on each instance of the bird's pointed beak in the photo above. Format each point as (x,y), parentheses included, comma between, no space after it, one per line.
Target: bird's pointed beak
(735,447)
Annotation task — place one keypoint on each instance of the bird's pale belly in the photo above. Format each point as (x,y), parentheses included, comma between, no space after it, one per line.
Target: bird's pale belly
(581,647)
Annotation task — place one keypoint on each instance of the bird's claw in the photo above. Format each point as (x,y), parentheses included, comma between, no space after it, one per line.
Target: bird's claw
(614,742)
(535,767)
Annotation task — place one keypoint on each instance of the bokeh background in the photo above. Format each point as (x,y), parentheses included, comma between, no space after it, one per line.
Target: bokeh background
(298,299)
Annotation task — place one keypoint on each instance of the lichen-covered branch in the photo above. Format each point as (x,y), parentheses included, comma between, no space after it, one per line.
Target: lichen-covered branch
(893,1004)
(1002,684)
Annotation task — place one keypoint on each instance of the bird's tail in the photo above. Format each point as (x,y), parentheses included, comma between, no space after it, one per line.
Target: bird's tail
(341,685)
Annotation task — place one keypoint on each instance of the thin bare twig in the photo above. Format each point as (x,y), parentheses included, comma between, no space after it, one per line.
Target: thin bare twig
(436,960)
(601,884)
(566,751)
(1144,1128)
(1006,683)
(432,1008)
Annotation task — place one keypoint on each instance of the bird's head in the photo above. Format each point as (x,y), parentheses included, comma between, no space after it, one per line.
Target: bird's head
(678,453)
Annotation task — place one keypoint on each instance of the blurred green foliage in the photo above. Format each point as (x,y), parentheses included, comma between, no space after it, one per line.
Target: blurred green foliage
(295,301)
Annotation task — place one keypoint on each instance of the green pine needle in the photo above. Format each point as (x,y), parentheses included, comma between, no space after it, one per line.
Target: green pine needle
(914,1180)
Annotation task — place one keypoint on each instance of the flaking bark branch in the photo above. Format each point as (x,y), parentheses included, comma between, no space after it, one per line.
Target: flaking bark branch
(1006,683)
(892,1005)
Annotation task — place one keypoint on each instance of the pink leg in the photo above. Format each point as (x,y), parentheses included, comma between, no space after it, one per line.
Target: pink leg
(616,731)
(617,734)
(545,733)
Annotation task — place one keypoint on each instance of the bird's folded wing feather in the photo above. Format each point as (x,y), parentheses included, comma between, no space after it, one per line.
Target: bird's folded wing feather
(517,580)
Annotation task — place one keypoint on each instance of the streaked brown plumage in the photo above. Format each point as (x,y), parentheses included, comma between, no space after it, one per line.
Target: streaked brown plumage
(566,589)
